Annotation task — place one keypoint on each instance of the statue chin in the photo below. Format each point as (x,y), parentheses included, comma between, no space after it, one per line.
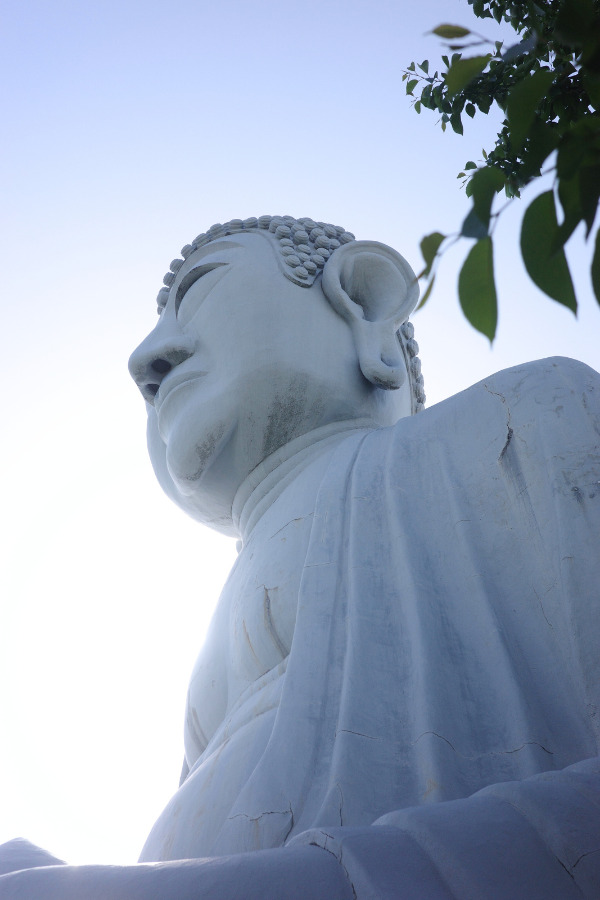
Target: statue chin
(157,451)
(187,492)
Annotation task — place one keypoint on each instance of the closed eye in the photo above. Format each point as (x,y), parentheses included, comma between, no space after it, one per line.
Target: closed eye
(191,278)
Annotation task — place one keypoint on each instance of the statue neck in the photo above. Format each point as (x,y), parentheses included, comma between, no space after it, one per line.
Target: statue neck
(265,483)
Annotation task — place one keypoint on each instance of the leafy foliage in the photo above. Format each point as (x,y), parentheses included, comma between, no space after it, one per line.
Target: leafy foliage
(547,84)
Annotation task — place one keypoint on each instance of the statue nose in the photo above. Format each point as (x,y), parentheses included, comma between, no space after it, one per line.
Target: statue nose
(157,355)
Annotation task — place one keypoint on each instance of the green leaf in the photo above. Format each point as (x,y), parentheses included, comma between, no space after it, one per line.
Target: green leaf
(485,184)
(463,71)
(426,97)
(484,102)
(456,123)
(579,146)
(589,194)
(571,152)
(470,110)
(477,289)
(596,268)
(470,165)
(410,85)
(591,82)
(522,102)
(473,227)
(574,21)
(448,32)
(543,139)
(427,294)
(546,267)
(417,107)
(568,193)
(425,66)
(590,57)
(429,248)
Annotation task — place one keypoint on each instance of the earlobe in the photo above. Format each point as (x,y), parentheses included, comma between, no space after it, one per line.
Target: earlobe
(379,354)
(374,289)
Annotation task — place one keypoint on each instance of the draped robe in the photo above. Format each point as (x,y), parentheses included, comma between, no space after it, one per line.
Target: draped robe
(446,629)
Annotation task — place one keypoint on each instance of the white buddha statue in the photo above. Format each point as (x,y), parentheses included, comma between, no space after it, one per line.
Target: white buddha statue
(398,695)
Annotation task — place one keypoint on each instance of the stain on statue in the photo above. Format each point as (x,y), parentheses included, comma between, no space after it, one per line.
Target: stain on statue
(398,695)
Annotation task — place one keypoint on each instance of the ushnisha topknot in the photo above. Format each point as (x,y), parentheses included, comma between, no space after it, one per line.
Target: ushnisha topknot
(305,246)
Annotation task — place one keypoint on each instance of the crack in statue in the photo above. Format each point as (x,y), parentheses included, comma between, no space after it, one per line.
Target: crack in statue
(406,556)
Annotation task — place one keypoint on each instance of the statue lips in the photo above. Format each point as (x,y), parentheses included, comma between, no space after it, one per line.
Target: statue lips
(171,385)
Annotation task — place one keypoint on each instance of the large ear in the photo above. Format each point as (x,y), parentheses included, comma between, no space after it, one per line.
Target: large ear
(374,289)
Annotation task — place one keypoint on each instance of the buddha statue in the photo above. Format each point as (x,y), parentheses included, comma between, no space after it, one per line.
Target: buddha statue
(398,693)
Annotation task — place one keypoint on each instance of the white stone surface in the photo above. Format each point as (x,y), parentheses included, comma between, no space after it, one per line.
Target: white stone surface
(435,585)
(401,681)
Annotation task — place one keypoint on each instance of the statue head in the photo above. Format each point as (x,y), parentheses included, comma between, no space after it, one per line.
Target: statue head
(270,329)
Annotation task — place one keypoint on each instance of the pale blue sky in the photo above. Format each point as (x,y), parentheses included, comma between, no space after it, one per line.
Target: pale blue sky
(129,128)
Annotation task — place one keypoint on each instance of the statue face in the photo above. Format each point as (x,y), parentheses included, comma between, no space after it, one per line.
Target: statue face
(241,361)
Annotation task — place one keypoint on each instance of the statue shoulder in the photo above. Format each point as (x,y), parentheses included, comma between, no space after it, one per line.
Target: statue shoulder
(556,384)
(557,397)
(542,376)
